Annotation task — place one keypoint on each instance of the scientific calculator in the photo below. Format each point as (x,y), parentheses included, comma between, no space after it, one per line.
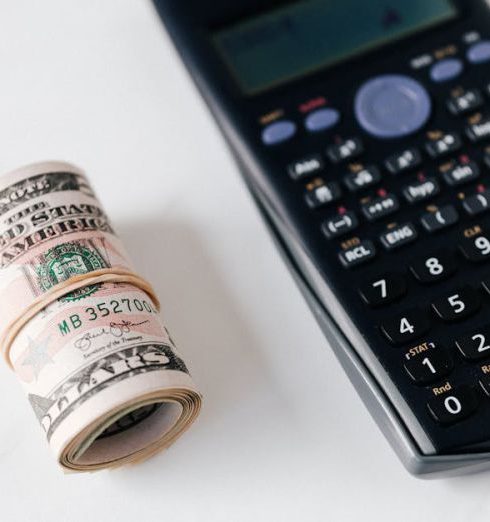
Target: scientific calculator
(363,133)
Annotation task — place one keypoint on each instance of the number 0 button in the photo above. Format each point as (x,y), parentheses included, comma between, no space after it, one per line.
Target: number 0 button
(461,303)
(406,327)
(434,267)
(384,289)
(453,406)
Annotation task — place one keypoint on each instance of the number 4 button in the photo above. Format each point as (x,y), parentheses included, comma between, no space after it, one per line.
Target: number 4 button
(383,289)
(406,327)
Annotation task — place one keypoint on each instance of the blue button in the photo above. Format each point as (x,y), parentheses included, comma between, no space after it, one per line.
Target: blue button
(446,70)
(391,106)
(479,52)
(278,131)
(321,119)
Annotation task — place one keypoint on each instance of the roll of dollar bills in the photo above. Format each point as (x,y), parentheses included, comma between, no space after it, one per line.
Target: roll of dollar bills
(81,329)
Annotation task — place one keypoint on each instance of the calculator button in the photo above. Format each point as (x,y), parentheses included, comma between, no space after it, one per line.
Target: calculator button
(278,132)
(340,225)
(479,52)
(364,178)
(405,160)
(455,405)
(465,102)
(445,144)
(391,106)
(384,289)
(434,267)
(476,345)
(446,70)
(380,207)
(345,150)
(358,254)
(479,131)
(477,248)
(306,166)
(406,327)
(442,218)
(321,119)
(421,190)
(429,366)
(485,382)
(460,303)
(461,173)
(478,203)
(319,193)
(398,236)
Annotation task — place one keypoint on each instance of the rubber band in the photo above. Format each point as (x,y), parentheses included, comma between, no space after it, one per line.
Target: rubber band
(104,275)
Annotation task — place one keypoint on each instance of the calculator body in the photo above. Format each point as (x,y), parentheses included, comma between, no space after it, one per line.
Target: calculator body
(371,168)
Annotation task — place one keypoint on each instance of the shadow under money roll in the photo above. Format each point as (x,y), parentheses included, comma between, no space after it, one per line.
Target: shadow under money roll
(81,330)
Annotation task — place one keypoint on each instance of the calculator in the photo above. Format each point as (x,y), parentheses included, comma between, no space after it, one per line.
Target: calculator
(362,130)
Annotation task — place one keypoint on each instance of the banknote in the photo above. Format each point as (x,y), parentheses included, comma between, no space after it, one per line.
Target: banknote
(99,368)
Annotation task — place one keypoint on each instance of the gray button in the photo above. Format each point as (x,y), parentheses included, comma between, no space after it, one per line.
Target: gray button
(446,70)
(391,106)
(479,52)
(278,131)
(321,119)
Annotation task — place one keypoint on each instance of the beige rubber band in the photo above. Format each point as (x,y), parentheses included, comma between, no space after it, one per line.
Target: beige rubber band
(104,275)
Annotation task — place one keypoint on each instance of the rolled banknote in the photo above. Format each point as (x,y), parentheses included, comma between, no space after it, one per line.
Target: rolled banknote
(81,329)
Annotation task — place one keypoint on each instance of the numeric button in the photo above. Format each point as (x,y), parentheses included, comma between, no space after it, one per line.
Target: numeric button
(475,346)
(429,366)
(457,305)
(383,289)
(476,249)
(434,267)
(453,406)
(406,327)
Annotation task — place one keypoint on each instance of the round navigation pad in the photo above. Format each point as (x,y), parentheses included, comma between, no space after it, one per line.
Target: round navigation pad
(391,106)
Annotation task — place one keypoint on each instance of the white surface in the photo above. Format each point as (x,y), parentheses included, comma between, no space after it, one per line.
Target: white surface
(283,436)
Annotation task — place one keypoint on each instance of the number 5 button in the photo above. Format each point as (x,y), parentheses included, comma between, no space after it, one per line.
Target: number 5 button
(476,345)
(406,327)
(383,289)
(461,303)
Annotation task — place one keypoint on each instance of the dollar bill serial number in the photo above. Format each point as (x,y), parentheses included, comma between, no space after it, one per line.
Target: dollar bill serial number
(104,309)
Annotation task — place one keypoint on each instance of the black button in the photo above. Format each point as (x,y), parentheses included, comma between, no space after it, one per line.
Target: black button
(465,101)
(442,218)
(458,304)
(445,144)
(357,254)
(398,236)
(319,193)
(364,178)
(479,131)
(485,379)
(421,190)
(429,366)
(454,405)
(461,173)
(476,248)
(380,207)
(339,225)
(476,345)
(478,203)
(345,150)
(406,160)
(434,267)
(306,166)
(383,289)
(406,327)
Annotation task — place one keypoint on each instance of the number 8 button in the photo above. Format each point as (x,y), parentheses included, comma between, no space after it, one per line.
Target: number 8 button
(434,267)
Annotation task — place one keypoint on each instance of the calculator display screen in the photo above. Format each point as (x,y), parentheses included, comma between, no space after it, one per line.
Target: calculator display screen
(306,35)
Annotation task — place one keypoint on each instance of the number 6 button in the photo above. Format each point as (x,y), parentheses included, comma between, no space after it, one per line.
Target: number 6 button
(476,345)
(460,303)
(406,327)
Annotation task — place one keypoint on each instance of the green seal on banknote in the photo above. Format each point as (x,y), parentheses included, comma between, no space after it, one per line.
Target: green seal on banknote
(68,260)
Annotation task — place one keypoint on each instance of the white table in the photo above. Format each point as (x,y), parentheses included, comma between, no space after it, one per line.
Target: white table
(282,436)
